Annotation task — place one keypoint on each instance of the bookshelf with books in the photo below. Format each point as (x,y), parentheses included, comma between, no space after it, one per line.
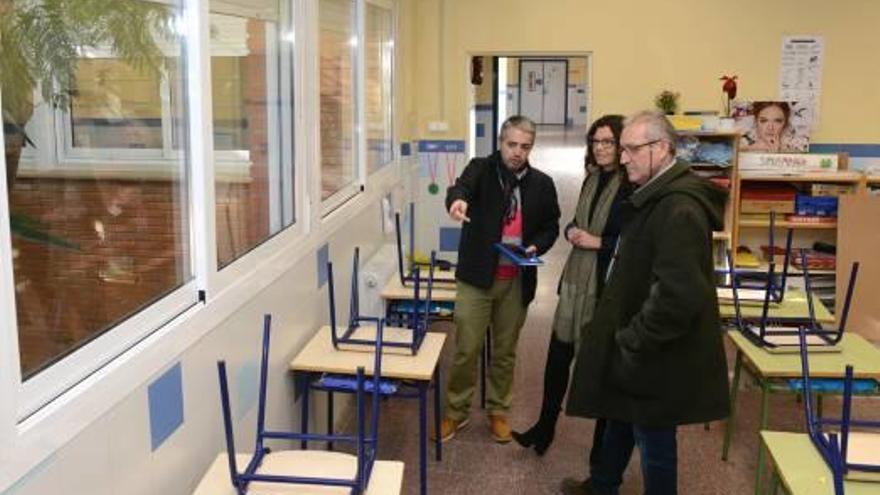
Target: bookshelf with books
(806,203)
(715,156)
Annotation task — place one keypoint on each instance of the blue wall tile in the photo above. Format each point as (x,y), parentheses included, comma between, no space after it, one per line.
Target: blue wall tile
(481,130)
(323,255)
(449,237)
(166,405)
(854,150)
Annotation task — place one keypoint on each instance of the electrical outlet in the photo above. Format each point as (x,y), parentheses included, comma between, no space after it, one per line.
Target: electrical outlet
(438,126)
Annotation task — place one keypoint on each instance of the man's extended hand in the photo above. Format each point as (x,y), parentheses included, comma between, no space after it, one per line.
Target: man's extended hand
(458,211)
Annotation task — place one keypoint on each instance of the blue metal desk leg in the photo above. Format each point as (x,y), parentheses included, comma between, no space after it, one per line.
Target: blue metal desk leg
(304,414)
(423,437)
(329,417)
(438,444)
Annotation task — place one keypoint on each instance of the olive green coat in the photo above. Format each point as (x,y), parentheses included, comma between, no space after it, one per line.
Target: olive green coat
(653,353)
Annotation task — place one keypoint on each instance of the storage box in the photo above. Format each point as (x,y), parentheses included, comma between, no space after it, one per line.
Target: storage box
(787,163)
(820,206)
(818,189)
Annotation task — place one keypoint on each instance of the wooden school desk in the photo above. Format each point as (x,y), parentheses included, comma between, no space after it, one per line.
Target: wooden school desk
(800,470)
(386,479)
(319,356)
(772,372)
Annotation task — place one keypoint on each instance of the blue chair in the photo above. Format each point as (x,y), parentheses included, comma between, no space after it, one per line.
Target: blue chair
(835,447)
(407,274)
(365,439)
(771,283)
(416,321)
(780,333)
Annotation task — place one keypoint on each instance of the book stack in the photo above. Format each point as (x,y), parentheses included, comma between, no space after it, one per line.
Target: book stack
(764,198)
(810,219)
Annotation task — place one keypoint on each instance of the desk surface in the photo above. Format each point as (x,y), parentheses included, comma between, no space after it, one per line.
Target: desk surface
(794,305)
(320,356)
(394,291)
(854,350)
(802,469)
(387,477)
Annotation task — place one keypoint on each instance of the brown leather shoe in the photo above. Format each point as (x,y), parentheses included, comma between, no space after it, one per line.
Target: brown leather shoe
(500,428)
(448,428)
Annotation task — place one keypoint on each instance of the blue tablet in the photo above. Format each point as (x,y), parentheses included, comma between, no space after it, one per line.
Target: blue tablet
(518,255)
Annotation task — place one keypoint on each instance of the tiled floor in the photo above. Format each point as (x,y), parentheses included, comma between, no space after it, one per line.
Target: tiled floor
(474,464)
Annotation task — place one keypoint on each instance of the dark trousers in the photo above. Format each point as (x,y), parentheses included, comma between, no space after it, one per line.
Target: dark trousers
(659,458)
(557,372)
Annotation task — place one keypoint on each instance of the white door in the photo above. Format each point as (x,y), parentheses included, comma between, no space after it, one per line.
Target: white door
(542,90)
(531,89)
(554,92)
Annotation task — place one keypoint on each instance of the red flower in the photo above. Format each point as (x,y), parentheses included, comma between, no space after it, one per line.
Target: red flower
(729,86)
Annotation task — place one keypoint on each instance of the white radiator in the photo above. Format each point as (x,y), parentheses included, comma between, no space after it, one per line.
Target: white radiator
(374,275)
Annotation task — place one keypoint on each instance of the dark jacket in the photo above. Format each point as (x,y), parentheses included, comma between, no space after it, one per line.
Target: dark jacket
(479,185)
(653,353)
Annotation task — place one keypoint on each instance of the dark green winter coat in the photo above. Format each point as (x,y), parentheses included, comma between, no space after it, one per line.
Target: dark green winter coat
(653,353)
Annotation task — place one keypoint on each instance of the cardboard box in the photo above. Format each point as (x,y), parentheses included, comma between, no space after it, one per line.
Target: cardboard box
(766,206)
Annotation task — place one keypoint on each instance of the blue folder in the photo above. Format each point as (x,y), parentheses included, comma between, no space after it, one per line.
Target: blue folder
(518,255)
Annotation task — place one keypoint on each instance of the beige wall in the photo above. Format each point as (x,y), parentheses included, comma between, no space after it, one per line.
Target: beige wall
(644,46)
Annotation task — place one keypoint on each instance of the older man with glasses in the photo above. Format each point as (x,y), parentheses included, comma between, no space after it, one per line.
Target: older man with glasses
(652,358)
(499,198)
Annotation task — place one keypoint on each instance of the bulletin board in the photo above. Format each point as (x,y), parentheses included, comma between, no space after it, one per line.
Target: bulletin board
(858,239)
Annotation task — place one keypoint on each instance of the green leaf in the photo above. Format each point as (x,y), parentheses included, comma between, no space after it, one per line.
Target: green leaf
(32,230)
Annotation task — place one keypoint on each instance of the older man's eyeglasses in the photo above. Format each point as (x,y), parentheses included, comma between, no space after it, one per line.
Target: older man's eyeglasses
(602,143)
(634,148)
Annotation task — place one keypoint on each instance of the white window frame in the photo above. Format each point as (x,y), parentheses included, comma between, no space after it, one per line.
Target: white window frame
(221,280)
(351,190)
(389,6)
(26,443)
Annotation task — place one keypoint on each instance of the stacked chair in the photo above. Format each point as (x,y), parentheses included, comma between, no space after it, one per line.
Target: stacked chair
(850,447)
(780,334)
(267,470)
(407,270)
(361,330)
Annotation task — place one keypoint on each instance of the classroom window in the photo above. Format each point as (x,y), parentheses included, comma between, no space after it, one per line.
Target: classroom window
(378,86)
(337,46)
(251,79)
(92,248)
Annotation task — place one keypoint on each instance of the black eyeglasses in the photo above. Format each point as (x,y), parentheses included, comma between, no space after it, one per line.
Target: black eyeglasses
(633,148)
(602,143)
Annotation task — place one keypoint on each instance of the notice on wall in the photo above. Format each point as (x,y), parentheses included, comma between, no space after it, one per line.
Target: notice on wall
(800,75)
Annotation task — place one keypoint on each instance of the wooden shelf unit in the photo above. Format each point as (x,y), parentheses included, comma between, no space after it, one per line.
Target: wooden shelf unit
(752,232)
(724,238)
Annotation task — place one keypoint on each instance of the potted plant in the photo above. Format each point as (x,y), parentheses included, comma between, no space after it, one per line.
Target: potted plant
(40,45)
(667,102)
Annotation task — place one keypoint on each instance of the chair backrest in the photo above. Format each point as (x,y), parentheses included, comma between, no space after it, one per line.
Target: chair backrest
(759,332)
(366,439)
(833,447)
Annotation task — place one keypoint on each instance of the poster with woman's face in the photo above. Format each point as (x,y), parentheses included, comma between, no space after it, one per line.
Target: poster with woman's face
(772,126)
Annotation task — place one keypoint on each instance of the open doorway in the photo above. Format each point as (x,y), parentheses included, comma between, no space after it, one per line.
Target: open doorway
(552,90)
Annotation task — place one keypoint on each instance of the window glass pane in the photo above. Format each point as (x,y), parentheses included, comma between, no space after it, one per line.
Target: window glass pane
(115,105)
(251,85)
(378,87)
(101,241)
(338,42)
